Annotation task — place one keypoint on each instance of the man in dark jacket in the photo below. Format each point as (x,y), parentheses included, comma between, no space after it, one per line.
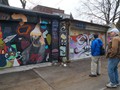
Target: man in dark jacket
(95,52)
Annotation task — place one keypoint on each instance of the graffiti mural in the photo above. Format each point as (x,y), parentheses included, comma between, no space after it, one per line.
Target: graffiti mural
(63,40)
(34,53)
(27,43)
(45,28)
(4,16)
(62,51)
(55,39)
(9,53)
(80,44)
(83,43)
(21,17)
(13,56)
(3,49)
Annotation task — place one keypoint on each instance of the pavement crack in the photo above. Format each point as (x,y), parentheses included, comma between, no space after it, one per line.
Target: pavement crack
(43,79)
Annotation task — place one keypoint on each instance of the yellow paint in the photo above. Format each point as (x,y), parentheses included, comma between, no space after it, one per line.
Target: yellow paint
(63,36)
(49,39)
(19,16)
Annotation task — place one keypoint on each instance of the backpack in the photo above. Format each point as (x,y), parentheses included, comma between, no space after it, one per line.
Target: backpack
(102,50)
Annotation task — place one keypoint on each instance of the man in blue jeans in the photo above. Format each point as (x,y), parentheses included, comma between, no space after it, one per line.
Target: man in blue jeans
(113,55)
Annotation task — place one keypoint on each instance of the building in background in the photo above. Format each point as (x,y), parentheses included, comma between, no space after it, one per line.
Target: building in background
(53,11)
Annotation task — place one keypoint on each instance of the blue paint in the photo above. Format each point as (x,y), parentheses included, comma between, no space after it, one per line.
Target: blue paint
(2,60)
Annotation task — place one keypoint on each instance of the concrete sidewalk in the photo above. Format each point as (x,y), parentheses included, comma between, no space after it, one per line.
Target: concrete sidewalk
(73,77)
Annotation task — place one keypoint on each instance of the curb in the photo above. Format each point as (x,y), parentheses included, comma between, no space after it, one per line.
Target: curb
(24,68)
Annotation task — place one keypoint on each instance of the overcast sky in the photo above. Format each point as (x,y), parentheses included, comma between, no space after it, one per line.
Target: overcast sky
(69,6)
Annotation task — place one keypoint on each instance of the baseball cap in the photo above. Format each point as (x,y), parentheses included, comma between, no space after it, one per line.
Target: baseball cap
(114,30)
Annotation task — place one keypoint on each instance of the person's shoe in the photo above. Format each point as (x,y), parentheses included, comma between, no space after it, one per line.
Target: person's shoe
(110,85)
(91,75)
(118,84)
(98,74)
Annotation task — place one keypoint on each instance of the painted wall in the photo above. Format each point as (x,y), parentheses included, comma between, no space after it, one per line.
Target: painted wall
(55,41)
(24,40)
(63,34)
(23,43)
(80,42)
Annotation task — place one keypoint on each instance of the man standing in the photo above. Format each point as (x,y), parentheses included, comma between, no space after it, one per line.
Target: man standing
(113,55)
(95,52)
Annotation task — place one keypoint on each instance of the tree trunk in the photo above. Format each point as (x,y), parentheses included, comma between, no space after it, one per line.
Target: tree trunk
(23,2)
(4,2)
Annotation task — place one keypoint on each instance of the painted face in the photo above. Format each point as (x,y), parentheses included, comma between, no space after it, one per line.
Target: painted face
(35,36)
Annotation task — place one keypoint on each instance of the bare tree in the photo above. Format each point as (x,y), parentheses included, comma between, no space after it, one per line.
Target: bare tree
(118,23)
(105,10)
(23,2)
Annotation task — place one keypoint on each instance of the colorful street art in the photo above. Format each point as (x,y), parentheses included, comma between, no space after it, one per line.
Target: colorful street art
(4,16)
(13,56)
(80,44)
(45,28)
(25,40)
(19,16)
(35,52)
(22,44)
(55,40)
(63,40)
(62,51)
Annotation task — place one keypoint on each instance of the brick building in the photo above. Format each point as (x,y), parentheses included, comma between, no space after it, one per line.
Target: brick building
(47,10)
(53,11)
